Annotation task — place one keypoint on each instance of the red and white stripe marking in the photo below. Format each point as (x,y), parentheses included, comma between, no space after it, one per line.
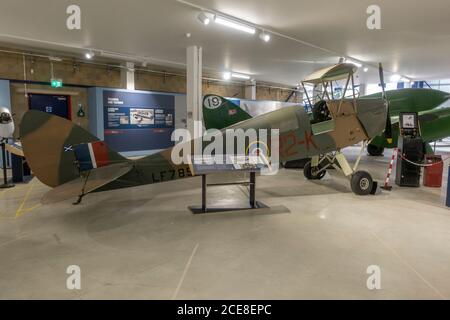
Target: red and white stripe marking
(92,154)
(391,165)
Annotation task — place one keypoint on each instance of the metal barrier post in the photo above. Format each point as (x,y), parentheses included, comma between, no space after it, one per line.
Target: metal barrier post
(448,190)
(204,186)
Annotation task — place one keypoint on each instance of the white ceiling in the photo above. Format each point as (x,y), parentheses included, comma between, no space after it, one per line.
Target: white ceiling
(414,41)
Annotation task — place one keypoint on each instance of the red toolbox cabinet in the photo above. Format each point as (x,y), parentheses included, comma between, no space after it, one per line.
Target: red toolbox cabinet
(432,176)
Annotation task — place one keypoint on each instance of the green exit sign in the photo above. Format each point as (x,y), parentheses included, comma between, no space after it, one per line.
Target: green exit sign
(56,83)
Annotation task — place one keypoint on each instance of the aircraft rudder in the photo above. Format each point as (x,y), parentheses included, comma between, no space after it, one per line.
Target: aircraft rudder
(219,112)
(48,143)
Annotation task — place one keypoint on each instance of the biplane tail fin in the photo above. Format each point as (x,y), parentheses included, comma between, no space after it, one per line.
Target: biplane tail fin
(52,145)
(219,112)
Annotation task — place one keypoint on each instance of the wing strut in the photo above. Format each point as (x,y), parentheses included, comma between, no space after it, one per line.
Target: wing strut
(82,194)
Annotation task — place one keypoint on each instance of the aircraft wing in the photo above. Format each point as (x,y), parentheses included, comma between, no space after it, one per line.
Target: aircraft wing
(15,148)
(435,124)
(425,116)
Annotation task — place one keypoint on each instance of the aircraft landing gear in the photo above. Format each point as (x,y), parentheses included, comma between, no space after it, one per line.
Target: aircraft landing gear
(375,151)
(313,173)
(361,183)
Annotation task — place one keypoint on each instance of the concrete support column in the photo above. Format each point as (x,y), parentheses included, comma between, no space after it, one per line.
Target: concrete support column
(194,91)
(127,76)
(362,89)
(250,90)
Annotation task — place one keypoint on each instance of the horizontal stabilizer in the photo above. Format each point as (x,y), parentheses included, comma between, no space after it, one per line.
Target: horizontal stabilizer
(92,181)
(15,148)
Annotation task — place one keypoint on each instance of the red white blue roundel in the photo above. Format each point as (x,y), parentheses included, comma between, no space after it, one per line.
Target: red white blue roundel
(258,148)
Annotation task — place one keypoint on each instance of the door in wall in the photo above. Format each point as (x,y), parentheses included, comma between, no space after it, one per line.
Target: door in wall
(54,104)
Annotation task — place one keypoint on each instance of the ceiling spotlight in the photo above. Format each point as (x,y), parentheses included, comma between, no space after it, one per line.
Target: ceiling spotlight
(395,78)
(264,36)
(234,24)
(203,18)
(226,75)
(365,69)
(89,55)
(240,76)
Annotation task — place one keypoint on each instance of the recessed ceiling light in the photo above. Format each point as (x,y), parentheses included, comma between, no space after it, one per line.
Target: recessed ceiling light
(234,24)
(365,69)
(89,55)
(240,76)
(203,18)
(226,75)
(264,36)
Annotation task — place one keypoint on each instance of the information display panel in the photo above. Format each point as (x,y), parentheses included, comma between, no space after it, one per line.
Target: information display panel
(138,121)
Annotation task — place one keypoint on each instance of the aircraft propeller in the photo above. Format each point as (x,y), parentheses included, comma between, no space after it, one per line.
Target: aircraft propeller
(388,129)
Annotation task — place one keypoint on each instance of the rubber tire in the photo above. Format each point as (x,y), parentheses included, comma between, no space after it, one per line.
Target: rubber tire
(307,171)
(375,151)
(361,183)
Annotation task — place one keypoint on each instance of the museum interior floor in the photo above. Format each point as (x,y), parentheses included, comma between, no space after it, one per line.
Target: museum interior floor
(316,241)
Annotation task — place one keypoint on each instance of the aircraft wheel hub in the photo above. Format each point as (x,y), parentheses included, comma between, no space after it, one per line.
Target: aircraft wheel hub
(364,184)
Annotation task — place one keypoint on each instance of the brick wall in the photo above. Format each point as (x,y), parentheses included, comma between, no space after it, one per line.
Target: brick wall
(86,74)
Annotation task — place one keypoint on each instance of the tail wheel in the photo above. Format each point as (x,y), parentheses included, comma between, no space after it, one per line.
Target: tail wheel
(311,173)
(375,151)
(362,183)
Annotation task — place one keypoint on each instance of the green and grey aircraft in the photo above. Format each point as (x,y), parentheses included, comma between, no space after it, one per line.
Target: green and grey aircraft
(56,148)
(434,121)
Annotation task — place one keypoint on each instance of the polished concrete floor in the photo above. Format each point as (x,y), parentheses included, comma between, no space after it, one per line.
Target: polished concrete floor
(316,241)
